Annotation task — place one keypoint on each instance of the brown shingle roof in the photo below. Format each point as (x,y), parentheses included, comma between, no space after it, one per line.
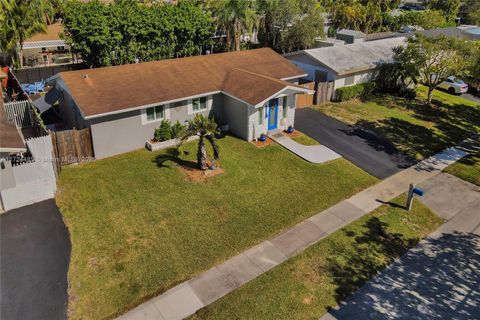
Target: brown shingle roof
(117,88)
(10,138)
(252,87)
(53,33)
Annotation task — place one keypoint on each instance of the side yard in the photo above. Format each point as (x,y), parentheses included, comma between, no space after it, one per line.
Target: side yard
(306,286)
(414,128)
(138,226)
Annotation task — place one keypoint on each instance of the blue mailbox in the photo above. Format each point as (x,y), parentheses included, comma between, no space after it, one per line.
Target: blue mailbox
(417,191)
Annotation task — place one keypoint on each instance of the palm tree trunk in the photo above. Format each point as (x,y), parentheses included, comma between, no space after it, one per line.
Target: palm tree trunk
(202,154)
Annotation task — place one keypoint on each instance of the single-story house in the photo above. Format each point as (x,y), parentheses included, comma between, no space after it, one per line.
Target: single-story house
(252,91)
(463,32)
(345,65)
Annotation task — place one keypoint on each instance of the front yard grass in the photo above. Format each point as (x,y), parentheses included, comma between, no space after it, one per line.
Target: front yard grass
(306,286)
(139,227)
(305,140)
(414,128)
(468,168)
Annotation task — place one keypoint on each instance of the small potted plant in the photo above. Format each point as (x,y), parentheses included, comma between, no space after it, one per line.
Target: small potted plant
(290,129)
(263,137)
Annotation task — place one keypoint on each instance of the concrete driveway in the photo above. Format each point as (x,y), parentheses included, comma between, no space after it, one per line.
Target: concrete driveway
(34,257)
(377,157)
(438,279)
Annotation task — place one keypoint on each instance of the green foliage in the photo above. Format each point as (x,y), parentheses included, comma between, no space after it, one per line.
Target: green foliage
(206,129)
(234,18)
(356,91)
(19,20)
(393,79)
(470,12)
(431,60)
(163,132)
(167,131)
(177,130)
(124,31)
(449,8)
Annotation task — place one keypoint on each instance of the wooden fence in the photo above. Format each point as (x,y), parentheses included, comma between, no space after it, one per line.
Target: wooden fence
(72,146)
(304,99)
(19,112)
(323,92)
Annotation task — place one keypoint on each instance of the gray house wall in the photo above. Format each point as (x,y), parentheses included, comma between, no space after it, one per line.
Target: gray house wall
(236,114)
(123,132)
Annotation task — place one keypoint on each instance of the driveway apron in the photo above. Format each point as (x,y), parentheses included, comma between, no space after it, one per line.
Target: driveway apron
(376,156)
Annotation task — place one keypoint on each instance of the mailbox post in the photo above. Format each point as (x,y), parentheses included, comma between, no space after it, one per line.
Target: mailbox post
(412,191)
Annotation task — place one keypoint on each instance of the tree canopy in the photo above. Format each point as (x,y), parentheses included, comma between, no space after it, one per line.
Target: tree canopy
(19,20)
(430,60)
(127,31)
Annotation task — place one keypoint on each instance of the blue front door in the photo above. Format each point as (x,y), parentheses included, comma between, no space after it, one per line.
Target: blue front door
(272,114)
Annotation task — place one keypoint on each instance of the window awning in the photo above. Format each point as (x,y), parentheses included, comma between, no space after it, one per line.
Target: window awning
(46,101)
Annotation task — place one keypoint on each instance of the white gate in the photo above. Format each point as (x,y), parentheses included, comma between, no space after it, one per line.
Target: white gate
(19,112)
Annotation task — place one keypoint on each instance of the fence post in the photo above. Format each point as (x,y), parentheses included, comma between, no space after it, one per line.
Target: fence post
(78,150)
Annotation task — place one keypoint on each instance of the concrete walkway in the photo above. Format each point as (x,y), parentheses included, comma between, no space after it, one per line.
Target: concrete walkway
(314,154)
(188,297)
(439,278)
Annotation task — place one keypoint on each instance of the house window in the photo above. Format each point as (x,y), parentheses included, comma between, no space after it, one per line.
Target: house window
(260,116)
(349,80)
(284,106)
(155,113)
(199,104)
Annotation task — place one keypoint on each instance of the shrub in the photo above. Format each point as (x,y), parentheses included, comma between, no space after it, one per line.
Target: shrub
(163,132)
(177,130)
(355,91)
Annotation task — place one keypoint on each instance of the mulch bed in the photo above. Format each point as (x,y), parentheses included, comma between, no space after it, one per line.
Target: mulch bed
(197,175)
(261,144)
(294,134)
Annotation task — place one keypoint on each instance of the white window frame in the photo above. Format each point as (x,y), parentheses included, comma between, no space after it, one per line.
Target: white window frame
(166,114)
(208,105)
(352,78)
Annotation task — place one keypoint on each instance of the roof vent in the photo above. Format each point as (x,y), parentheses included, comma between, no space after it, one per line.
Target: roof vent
(85,76)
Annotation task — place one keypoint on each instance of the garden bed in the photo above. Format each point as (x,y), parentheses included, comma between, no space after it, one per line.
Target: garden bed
(153,145)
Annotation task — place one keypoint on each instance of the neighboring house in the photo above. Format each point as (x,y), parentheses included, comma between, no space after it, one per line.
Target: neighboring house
(463,32)
(46,49)
(345,65)
(11,138)
(251,91)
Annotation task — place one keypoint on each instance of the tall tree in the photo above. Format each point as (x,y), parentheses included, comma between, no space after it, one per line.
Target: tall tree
(234,17)
(431,60)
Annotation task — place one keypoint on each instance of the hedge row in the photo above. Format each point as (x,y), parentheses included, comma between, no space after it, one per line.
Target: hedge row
(355,91)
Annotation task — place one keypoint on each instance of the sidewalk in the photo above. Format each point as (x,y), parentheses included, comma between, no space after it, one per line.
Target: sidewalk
(314,154)
(190,296)
(440,277)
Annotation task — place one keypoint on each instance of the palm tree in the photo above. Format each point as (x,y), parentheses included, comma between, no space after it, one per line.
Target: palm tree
(205,129)
(20,20)
(235,17)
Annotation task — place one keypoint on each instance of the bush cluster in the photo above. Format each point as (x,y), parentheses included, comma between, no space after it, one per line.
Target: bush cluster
(167,131)
(355,91)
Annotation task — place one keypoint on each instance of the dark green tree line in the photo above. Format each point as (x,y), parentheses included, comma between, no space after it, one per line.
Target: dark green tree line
(126,31)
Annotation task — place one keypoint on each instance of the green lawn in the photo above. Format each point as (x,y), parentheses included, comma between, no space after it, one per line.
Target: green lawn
(413,127)
(139,228)
(305,140)
(468,168)
(305,286)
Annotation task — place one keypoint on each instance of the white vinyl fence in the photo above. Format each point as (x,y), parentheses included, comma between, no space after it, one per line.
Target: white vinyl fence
(19,112)
(29,182)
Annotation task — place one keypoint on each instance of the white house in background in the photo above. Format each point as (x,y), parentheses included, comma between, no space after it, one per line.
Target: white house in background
(345,65)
